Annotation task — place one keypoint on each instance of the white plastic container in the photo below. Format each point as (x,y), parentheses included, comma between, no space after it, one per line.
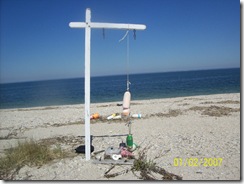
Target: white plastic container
(136,115)
(117,117)
(111,117)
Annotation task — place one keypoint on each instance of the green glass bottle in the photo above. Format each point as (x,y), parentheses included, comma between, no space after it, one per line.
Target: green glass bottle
(129,141)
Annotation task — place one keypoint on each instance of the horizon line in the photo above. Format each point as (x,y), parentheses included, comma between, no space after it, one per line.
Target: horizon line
(117,75)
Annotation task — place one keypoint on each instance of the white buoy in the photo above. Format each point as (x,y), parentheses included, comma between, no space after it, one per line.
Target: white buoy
(126,103)
(136,115)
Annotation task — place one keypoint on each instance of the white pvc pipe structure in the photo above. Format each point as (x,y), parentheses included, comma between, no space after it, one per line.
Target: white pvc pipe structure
(88,25)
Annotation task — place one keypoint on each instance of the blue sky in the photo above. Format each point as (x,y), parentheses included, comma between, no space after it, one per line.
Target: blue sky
(37,43)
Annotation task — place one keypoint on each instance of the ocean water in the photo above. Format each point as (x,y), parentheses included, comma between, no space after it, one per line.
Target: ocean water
(112,88)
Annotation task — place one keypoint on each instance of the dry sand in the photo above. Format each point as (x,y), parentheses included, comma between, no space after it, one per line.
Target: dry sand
(185,127)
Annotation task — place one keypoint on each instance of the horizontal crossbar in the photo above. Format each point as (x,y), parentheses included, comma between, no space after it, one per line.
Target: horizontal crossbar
(107,25)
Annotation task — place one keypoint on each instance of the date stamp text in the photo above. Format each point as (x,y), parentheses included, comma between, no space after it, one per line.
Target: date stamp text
(196,162)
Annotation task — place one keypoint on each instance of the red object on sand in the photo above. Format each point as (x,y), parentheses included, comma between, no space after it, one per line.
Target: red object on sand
(125,153)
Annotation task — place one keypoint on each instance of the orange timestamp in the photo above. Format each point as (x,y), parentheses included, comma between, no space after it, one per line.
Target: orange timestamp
(196,162)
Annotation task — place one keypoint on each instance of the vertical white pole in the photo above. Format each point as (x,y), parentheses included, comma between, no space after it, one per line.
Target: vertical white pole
(87,83)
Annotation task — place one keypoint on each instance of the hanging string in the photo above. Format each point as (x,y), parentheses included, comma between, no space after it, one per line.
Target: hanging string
(103,33)
(124,36)
(127,64)
(127,57)
(134,35)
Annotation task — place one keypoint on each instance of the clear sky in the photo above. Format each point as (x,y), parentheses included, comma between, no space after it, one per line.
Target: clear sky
(38,44)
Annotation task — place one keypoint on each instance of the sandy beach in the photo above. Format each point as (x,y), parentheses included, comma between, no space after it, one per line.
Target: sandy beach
(197,127)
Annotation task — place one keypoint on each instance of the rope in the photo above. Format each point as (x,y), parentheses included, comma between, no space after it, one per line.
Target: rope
(127,57)
(103,33)
(124,36)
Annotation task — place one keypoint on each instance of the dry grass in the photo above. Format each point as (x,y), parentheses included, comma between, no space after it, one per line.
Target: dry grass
(28,153)
(184,104)
(67,124)
(37,109)
(215,110)
(222,102)
(148,168)
(171,113)
(229,102)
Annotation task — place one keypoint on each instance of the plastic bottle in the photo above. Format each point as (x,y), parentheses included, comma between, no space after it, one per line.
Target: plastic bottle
(136,115)
(117,117)
(129,141)
(111,117)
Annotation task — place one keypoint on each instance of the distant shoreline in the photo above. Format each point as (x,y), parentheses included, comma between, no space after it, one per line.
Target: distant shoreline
(112,88)
(115,102)
(174,71)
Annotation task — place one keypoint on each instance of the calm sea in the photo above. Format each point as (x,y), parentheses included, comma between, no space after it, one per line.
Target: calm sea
(112,88)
